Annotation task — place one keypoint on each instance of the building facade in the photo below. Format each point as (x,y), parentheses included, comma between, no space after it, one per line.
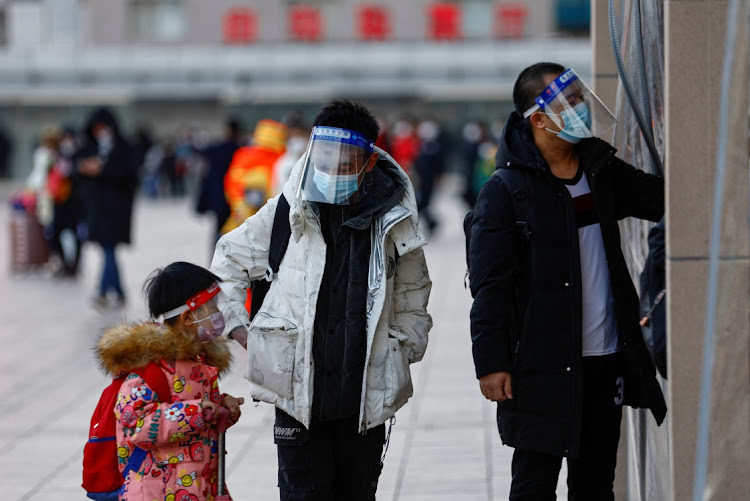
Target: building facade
(167,63)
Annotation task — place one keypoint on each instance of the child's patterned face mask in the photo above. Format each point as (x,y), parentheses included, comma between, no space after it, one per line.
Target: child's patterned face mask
(216,321)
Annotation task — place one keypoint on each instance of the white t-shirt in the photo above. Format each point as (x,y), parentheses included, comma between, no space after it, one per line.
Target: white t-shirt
(599,332)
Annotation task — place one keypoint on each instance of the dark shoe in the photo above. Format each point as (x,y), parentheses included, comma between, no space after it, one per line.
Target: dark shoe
(99,302)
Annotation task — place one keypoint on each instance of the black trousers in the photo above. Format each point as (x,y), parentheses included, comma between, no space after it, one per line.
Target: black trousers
(590,477)
(330,461)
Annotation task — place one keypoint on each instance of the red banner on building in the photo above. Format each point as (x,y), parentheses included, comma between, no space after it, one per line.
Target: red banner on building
(305,23)
(239,26)
(510,20)
(373,22)
(444,21)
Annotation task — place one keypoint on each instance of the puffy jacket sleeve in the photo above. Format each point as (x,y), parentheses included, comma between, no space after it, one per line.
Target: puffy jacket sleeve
(411,292)
(146,422)
(493,264)
(637,193)
(241,256)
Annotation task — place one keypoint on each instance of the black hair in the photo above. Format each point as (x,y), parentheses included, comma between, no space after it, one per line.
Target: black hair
(233,125)
(293,120)
(348,115)
(169,287)
(530,83)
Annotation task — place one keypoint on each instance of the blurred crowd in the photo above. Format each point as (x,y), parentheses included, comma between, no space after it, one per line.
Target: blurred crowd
(83,180)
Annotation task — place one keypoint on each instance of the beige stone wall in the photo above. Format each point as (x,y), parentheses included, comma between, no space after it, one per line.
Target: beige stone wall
(694,43)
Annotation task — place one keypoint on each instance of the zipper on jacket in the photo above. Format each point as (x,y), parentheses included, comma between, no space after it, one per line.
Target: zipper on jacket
(515,353)
(572,317)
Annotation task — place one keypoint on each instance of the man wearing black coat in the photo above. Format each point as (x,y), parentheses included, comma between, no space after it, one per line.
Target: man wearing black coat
(109,175)
(554,322)
(218,157)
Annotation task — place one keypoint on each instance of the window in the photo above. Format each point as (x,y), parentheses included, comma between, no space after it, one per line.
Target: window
(157,20)
(573,16)
(477,19)
(3,36)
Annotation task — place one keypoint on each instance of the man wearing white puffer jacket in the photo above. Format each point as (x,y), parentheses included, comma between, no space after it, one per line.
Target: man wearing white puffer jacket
(345,315)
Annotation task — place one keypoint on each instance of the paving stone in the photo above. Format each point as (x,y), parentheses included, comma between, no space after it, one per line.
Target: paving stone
(444,445)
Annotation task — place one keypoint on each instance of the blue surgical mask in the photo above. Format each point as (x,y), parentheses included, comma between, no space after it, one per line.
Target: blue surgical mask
(336,189)
(577,123)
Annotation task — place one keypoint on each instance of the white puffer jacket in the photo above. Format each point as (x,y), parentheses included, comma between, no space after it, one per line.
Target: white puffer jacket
(280,365)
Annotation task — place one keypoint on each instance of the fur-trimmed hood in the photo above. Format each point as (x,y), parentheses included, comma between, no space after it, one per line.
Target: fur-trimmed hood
(130,346)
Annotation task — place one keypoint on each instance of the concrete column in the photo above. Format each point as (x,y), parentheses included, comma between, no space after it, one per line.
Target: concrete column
(694,48)
(604,69)
(604,83)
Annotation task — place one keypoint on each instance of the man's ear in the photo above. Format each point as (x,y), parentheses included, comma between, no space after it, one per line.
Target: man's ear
(537,120)
(371,162)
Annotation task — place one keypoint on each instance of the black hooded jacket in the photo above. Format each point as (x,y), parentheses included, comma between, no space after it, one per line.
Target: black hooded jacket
(526,318)
(109,196)
(340,330)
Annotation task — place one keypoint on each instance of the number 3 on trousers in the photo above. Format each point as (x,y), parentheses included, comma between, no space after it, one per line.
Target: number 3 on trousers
(620,384)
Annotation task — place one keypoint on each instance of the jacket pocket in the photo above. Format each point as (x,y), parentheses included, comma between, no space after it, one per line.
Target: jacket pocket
(271,346)
(398,387)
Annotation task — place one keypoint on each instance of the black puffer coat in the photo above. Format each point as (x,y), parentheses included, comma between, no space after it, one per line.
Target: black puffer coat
(527,313)
(109,196)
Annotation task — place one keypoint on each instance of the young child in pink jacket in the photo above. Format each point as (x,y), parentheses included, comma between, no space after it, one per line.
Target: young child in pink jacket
(177,434)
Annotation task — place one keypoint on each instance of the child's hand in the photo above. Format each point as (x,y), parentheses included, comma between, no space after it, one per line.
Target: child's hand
(233,405)
(210,411)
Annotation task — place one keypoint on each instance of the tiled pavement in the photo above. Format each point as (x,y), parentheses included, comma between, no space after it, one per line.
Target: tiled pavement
(444,444)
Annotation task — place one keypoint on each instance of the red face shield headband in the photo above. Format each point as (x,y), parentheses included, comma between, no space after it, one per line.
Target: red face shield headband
(194,302)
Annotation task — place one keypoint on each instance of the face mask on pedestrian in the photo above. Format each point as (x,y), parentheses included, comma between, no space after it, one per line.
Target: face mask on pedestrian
(296,145)
(336,188)
(214,326)
(67,147)
(105,139)
(577,122)
(573,108)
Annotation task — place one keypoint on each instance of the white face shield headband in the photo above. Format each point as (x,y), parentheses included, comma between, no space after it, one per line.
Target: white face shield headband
(573,107)
(333,165)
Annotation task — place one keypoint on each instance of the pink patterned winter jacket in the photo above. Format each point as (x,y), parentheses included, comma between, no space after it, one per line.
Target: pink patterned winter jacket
(181,464)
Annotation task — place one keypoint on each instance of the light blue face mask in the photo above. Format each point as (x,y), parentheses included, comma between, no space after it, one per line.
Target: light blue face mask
(577,123)
(336,189)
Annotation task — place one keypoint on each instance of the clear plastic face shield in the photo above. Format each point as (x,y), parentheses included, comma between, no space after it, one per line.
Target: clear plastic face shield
(333,165)
(204,308)
(574,108)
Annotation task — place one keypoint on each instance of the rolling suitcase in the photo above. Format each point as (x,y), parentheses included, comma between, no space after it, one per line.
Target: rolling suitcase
(29,248)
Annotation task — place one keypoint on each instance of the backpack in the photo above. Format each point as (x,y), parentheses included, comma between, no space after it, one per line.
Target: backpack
(516,183)
(102,479)
(280,233)
(653,293)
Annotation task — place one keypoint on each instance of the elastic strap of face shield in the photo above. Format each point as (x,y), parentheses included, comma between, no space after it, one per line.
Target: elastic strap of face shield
(548,95)
(194,302)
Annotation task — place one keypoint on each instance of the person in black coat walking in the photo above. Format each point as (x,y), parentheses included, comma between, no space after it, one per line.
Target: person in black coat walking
(554,322)
(108,169)
(218,157)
